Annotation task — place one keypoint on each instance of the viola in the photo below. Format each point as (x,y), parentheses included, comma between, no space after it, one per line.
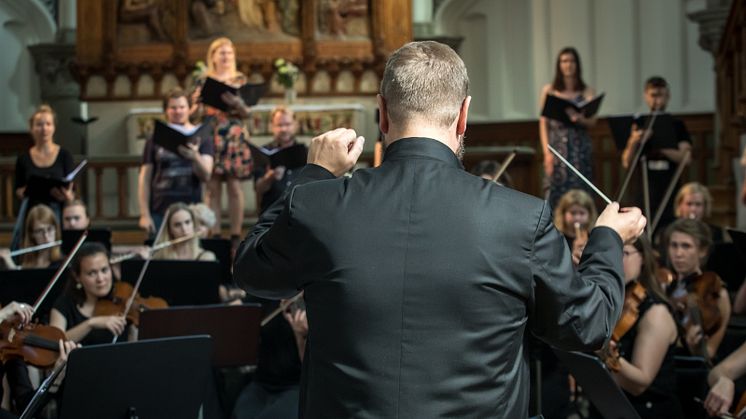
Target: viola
(633,297)
(36,344)
(117,305)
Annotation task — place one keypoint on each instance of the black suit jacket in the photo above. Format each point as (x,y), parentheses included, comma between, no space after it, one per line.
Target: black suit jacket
(421,281)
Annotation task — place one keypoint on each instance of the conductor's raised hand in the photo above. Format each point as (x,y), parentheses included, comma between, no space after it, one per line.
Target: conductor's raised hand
(627,222)
(336,151)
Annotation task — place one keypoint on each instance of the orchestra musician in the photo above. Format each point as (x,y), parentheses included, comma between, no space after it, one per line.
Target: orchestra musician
(701,300)
(575,216)
(41,227)
(180,222)
(646,351)
(722,387)
(695,201)
(91,280)
(75,215)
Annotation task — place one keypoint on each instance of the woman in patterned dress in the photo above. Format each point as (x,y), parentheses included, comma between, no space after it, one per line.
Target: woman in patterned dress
(571,141)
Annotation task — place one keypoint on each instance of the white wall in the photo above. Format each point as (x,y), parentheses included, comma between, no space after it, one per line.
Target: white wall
(510,48)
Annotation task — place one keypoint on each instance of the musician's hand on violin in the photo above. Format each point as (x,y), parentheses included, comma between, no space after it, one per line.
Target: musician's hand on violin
(146,223)
(66,346)
(21,311)
(720,397)
(298,321)
(627,222)
(336,151)
(694,336)
(114,324)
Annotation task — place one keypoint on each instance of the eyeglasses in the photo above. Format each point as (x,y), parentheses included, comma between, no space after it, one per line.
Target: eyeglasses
(42,231)
(627,253)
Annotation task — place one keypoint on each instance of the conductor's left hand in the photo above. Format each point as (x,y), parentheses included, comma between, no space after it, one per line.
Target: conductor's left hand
(336,151)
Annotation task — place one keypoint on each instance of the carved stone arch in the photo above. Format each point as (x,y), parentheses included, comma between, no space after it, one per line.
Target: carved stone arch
(449,14)
(22,24)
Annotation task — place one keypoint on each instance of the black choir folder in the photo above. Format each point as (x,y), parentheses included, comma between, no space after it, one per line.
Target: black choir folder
(212,91)
(290,157)
(171,136)
(556,108)
(40,187)
(663,132)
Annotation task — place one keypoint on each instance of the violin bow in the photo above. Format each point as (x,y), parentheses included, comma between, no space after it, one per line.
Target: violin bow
(638,154)
(580,175)
(669,191)
(60,270)
(280,309)
(504,166)
(35,403)
(144,268)
(646,194)
(36,248)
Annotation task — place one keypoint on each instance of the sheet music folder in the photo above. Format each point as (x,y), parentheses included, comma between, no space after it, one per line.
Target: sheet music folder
(171,136)
(596,381)
(663,136)
(556,108)
(162,378)
(96,235)
(290,157)
(212,91)
(234,329)
(39,187)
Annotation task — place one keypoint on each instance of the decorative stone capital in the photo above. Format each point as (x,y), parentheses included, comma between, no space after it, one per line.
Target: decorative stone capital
(711,23)
(54,62)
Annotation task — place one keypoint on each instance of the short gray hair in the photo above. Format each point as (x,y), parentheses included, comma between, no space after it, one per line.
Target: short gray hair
(427,80)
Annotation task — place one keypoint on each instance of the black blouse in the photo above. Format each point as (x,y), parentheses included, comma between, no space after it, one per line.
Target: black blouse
(25,167)
(69,310)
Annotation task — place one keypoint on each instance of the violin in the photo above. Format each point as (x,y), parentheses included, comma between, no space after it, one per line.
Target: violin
(117,305)
(634,295)
(35,344)
(700,305)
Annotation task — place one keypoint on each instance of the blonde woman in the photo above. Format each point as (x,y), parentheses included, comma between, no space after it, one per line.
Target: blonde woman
(180,222)
(41,227)
(694,201)
(232,163)
(575,212)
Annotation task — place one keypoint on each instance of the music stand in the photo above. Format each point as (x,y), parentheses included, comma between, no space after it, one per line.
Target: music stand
(149,379)
(222,250)
(98,235)
(180,283)
(26,285)
(723,261)
(234,329)
(596,381)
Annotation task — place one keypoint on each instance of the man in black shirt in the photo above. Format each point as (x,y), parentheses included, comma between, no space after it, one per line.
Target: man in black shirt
(270,182)
(661,161)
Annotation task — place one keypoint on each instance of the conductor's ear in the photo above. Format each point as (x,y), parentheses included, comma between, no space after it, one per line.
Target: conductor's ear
(383,116)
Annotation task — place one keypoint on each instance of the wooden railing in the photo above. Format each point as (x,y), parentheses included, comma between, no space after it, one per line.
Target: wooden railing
(491,141)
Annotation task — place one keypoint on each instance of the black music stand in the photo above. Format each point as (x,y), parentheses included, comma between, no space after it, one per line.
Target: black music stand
(180,283)
(234,329)
(98,235)
(222,250)
(162,378)
(596,381)
(26,285)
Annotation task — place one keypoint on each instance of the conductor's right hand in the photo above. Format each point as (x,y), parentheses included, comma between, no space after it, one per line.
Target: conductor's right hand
(627,222)
(336,151)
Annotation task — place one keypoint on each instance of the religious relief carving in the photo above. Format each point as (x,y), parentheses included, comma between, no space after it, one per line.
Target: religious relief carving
(344,18)
(141,21)
(248,20)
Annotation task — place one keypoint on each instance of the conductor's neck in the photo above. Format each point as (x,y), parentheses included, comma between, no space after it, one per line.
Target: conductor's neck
(425,130)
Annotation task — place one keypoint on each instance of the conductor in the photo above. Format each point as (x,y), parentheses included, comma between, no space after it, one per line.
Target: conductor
(421,280)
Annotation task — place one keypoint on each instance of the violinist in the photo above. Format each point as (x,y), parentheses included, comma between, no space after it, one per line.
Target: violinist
(646,350)
(695,201)
(180,222)
(41,227)
(91,281)
(15,370)
(701,301)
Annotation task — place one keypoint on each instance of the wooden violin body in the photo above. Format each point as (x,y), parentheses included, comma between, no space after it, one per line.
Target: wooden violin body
(117,305)
(633,297)
(36,344)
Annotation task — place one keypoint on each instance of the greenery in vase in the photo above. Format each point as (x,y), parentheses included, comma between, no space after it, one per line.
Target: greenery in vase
(287,73)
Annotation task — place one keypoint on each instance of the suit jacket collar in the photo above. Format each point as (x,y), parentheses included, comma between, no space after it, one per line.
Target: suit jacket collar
(421,147)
